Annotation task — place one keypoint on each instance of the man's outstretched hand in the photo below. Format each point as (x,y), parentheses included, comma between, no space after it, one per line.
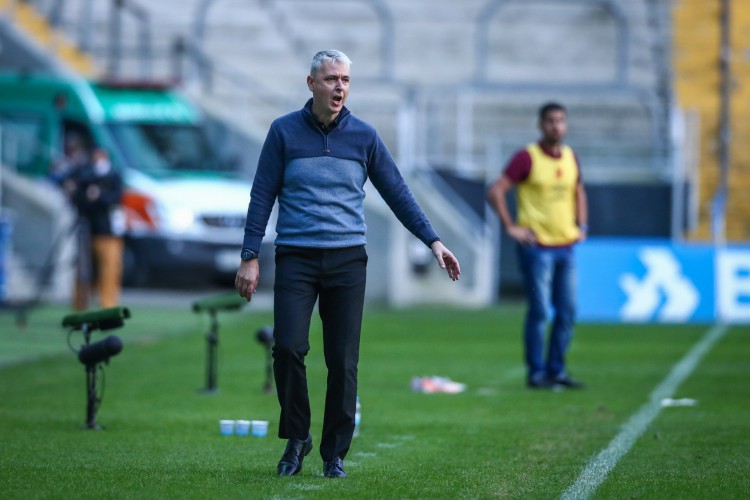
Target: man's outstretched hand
(446,260)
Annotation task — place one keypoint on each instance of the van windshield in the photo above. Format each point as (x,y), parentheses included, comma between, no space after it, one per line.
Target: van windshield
(162,148)
(19,140)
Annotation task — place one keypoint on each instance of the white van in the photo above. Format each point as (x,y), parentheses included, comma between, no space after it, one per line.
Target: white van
(185,203)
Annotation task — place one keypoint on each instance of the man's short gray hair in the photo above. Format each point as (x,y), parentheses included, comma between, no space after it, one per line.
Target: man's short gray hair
(328,56)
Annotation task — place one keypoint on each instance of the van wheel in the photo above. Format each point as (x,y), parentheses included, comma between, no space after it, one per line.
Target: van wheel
(135,272)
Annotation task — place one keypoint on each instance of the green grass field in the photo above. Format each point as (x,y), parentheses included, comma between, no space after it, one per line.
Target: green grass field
(497,439)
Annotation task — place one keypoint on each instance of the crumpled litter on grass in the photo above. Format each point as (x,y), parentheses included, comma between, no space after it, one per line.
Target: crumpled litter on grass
(435,384)
(678,402)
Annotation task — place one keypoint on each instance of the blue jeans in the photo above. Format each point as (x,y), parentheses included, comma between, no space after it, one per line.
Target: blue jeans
(549,283)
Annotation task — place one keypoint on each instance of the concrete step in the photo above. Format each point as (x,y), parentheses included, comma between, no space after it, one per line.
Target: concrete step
(267,45)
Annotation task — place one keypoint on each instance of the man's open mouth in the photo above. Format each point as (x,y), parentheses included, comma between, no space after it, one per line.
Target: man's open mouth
(337,99)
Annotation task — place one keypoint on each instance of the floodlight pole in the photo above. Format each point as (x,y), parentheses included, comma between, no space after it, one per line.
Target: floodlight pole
(721,195)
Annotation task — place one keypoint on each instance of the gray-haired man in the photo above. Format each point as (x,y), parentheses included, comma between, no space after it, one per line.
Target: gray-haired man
(315,161)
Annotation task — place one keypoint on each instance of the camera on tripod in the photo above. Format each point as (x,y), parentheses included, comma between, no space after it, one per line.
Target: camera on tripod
(98,319)
(94,355)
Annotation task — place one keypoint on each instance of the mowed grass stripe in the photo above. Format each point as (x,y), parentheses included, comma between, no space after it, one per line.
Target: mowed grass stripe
(600,466)
(497,439)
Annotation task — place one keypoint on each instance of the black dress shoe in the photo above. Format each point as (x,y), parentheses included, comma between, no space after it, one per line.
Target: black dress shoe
(334,468)
(570,383)
(291,461)
(540,382)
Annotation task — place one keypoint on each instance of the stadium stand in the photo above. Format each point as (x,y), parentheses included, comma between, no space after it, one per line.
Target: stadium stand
(453,87)
(50,40)
(697,78)
(607,70)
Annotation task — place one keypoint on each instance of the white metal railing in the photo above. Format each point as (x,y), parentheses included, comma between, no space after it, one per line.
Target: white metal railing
(41,261)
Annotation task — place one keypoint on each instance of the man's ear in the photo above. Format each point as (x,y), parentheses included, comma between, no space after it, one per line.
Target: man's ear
(310,81)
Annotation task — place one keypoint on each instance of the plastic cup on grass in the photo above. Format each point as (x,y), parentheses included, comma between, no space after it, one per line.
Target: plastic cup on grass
(243,428)
(226,427)
(260,428)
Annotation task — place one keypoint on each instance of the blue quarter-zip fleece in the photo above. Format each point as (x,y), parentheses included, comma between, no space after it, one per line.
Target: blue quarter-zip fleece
(318,177)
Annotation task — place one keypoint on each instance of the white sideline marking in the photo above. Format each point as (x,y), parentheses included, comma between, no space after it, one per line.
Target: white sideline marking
(599,467)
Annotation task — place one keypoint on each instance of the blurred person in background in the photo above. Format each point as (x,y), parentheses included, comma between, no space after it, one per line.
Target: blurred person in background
(315,161)
(75,155)
(552,218)
(96,191)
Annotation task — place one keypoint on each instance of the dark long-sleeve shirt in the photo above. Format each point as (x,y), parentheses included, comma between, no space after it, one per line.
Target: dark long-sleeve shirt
(98,211)
(318,176)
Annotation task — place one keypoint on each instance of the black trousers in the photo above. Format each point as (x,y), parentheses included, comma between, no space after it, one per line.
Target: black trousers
(335,277)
